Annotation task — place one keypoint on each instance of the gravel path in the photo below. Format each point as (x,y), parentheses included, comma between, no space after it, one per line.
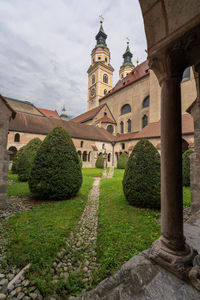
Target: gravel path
(79,254)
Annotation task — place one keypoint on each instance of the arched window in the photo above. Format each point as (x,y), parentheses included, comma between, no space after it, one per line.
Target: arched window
(145,103)
(123,146)
(89,156)
(122,127)
(81,144)
(105,92)
(129,125)
(144,121)
(186,74)
(125,109)
(105,78)
(17,137)
(93,79)
(85,156)
(79,153)
(110,129)
(109,155)
(12,152)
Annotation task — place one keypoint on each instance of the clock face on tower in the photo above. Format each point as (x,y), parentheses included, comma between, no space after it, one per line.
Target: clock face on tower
(92,92)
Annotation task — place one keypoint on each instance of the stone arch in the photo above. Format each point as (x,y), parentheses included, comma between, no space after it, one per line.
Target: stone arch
(79,153)
(12,152)
(121,127)
(17,138)
(125,109)
(110,128)
(84,155)
(89,156)
(105,78)
(144,121)
(146,101)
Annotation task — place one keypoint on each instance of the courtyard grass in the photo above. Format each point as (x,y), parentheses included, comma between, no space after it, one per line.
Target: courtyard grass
(35,236)
(93,172)
(186,196)
(123,230)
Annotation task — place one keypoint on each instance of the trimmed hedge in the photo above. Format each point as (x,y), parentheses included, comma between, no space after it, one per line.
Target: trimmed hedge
(26,158)
(99,162)
(56,172)
(15,161)
(186,167)
(141,182)
(122,161)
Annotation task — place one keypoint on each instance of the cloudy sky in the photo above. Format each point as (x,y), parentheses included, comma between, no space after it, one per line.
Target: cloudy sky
(45,47)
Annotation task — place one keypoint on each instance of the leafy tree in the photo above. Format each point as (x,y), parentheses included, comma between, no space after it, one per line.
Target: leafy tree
(122,161)
(141,182)
(26,157)
(186,167)
(56,172)
(100,162)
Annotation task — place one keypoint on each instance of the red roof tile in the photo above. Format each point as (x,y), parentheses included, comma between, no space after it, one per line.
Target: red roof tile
(87,115)
(126,136)
(138,72)
(49,113)
(106,119)
(43,125)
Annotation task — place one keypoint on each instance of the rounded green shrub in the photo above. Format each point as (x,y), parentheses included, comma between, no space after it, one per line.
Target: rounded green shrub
(26,157)
(56,172)
(15,161)
(99,162)
(80,161)
(122,161)
(186,167)
(141,182)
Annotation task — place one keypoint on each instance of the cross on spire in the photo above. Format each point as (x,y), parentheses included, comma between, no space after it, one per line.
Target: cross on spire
(101,19)
(128,40)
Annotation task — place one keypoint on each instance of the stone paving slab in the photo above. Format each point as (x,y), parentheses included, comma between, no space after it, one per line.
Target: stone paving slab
(140,279)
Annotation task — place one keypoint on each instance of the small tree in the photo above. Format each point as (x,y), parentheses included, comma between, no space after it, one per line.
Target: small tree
(122,161)
(141,182)
(26,157)
(99,162)
(186,167)
(56,172)
(15,161)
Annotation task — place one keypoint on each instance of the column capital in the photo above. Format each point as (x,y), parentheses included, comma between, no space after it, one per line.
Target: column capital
(165,66)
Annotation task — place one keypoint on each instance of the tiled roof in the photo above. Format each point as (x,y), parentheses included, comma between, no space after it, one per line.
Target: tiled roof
(87,115)
(8,105)
(43,125)
(106,119)
(138,72)
(49,113)
(153,130)
(23,106)
(126,136)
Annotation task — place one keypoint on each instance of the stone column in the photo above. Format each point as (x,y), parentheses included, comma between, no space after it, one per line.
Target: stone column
(170,250)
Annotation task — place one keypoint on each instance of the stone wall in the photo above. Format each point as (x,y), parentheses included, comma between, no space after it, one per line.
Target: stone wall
(5,114)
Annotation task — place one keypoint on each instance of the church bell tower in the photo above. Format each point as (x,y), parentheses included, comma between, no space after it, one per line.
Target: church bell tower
(127,65)
(100,71)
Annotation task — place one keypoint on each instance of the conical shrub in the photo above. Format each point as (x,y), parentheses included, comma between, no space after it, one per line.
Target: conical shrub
(26,157)
(100,162)
(141,182)
(122,161)
(56,172)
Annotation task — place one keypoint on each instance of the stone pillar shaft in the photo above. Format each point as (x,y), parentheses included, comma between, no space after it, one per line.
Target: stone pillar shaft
(171,164)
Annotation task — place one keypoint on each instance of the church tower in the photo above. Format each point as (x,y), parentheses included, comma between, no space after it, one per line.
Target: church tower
(100,71)
(127,65)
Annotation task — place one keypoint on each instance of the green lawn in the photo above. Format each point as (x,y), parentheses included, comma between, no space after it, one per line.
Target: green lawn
(93,172)
(123,230)
(186,196)
(35,236)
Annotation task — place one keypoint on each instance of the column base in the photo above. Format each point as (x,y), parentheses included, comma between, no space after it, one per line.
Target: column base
(178,262)
(194,274)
